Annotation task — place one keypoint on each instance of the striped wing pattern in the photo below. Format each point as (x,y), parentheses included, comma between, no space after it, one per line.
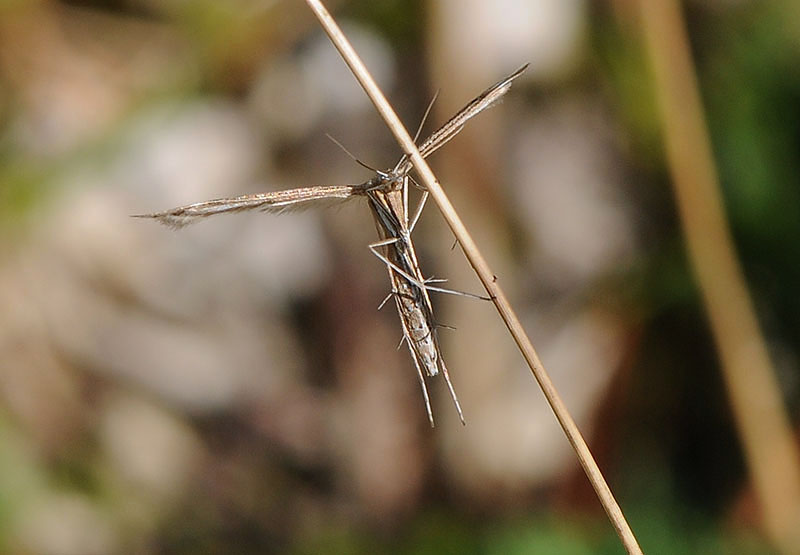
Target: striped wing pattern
(277,201)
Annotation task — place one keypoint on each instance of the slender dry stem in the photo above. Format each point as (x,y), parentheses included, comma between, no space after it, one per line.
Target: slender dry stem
(755,398)
(489,280)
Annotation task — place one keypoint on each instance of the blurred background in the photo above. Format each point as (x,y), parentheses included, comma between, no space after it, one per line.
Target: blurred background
(232,388)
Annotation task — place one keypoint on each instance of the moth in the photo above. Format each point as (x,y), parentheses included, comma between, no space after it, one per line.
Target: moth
(387,196)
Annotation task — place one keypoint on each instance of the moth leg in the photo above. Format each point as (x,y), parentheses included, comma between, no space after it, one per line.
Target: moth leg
(374,248)
(425,387)
(456,292)
(386,299)
(453,395)
(418,211)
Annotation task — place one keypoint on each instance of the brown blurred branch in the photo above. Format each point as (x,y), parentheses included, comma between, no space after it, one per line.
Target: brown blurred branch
(764,427)
(489,280)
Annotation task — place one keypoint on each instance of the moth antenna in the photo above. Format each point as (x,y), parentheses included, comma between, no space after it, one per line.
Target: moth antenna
(350,154)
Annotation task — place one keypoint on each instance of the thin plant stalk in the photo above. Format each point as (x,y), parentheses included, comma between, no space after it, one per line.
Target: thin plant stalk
(764,427)
(487,277)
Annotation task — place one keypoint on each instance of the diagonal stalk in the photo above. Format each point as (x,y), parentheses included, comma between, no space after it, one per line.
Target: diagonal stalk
(484,272)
